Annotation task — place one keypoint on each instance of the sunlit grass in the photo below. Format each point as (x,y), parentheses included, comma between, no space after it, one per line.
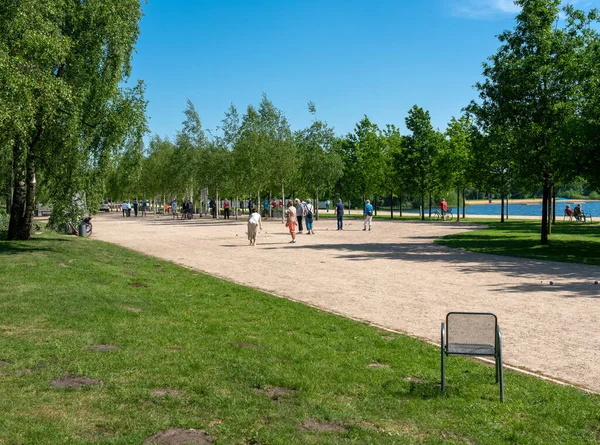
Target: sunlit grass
(226,351)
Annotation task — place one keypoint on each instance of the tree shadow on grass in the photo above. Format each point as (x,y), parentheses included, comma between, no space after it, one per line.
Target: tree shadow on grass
(33,245)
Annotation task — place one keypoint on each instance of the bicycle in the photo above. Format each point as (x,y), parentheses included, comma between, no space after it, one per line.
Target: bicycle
(438,214)
(75,230)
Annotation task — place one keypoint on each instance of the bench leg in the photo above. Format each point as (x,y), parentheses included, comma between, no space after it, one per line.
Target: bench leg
(499,372)
(443,361)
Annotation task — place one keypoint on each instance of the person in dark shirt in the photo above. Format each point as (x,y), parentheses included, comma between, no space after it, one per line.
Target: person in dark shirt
(339,211)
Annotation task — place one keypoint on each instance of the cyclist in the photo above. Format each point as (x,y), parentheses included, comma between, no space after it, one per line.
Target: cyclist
(444,208)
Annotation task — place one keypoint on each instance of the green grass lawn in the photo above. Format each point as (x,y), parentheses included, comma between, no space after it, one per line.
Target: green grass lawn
(247,367)
(569,242)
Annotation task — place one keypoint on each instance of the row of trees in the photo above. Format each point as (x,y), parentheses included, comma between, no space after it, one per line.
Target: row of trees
(72,124)
(64,112)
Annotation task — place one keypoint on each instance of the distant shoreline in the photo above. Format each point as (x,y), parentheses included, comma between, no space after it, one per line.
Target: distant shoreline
(529,201)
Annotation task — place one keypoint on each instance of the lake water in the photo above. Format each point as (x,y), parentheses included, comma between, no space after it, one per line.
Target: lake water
(592,207)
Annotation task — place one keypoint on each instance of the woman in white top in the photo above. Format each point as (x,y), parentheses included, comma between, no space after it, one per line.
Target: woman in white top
(254,222)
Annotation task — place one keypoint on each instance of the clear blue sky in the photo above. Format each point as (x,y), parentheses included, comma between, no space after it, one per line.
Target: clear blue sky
(349,57)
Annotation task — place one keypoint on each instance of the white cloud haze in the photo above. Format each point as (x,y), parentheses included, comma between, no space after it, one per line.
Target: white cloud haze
(485,9)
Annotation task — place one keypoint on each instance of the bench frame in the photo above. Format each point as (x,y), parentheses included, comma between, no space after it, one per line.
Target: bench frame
(495,352)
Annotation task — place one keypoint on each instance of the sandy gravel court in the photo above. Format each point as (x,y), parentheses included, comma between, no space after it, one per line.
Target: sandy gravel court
(396,277)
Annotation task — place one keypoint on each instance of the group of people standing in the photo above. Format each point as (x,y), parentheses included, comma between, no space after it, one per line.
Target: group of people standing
(126,208)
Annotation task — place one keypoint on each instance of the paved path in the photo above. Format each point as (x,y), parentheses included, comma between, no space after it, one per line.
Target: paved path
(396,277)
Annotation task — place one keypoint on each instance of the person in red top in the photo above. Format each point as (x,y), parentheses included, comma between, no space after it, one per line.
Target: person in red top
(444,208)
(569,211)
(226,209)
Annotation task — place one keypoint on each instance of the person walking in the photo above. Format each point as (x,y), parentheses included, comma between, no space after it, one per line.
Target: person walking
(124,207)
(144,204)
(368,215)
(226,209)
(254,223)
(299,215)
(291,220)
(135,207)
(213,208)
(444,208)
(174,208)
(250,205)
(339,212)
(308,217)
(266,208)
(327,204)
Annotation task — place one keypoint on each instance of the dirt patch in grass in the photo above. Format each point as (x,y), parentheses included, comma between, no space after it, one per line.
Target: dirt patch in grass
(175,349)
(415,380)
(321,426)
(74,381)
(62,265)
(378,365)
(3,363)
(246,345)
(137,310)
(276,393)
(128,272)
(455,438)
(103,348)
(166,392)
(179,436)
(136,284)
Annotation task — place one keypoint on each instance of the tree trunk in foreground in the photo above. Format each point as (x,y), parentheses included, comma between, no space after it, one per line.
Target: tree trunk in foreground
(545,198)
(23,202)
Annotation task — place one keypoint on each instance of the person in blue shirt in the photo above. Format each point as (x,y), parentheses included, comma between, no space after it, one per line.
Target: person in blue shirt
(339,211)
(368,215)
(266,208)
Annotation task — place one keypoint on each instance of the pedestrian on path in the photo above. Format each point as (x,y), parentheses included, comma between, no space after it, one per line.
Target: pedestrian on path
(144,204)
(291,220)
(309,209)
(226,209)
(135,207)
(254,223)
(339,212)
(174,208)
(299,215)
(368,215)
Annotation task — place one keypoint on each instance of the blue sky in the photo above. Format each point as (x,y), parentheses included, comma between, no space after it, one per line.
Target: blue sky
(349,57)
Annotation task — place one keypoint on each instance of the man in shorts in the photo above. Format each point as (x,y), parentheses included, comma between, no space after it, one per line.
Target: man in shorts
(291,220)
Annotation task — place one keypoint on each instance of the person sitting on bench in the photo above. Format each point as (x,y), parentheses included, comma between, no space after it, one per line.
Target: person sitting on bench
(578,213)
(569,211)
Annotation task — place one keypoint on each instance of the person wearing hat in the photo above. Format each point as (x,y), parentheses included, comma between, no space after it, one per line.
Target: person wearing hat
(339,212)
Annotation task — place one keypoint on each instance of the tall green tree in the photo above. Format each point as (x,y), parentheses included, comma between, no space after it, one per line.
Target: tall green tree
(533,90)
(62,67)
(320,165)
(422,147)
(456,156)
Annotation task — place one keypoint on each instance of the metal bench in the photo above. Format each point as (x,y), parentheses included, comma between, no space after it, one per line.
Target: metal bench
(472,334)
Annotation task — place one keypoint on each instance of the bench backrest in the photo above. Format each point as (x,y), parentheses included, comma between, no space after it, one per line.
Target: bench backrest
(469,329)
